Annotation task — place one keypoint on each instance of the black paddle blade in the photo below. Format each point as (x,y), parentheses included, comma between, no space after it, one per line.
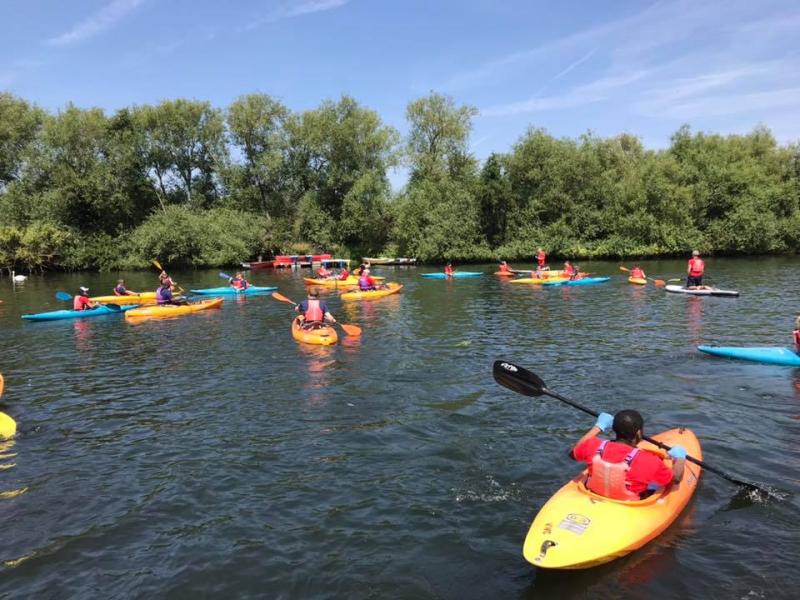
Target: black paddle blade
(517,378)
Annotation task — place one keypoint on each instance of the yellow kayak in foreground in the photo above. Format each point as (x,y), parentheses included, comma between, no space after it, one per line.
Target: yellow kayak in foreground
(391,288)
(320,336)
(171,310)
(577,529)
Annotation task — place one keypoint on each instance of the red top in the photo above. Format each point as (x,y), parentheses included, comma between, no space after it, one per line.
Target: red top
(637,273)
(796,333)
(81,303)
(504,268)
(448,270)
(696,266)
(645,468)
(540,257)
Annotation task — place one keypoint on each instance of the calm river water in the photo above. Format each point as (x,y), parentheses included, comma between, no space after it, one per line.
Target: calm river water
(214,456)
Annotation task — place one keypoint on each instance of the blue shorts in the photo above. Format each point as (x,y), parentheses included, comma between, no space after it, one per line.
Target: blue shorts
(694,281)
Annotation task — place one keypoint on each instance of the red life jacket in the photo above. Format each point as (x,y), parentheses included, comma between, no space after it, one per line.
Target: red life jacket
(540,258)
(80,303)
(569,270)
(323,272)
(637,273)
(609,479)
(448,270)
(344,275)
(313,312)
(504,268)
(237,283)
(796,333)
(696,267)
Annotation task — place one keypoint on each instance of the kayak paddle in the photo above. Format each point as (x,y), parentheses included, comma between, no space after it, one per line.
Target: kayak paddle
(658,282)
(65,297)
(224,275)
(353,330)
(525,382)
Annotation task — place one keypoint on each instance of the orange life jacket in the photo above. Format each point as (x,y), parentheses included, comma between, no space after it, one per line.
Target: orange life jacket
(313,312)
(609,478)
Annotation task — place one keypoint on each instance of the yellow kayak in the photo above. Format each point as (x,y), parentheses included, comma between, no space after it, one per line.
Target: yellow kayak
(171,310)
(321,336)
(577,529)
(8,426)
(537,280)
(391,288)
(349,282)
(637,280)
(143,298)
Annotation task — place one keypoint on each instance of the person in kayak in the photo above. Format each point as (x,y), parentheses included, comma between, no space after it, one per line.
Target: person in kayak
(238,282)
(163,279)
(365,282)
(796,334)
(576,273)
(569,270)
(449,270)
(81,301)
(121,290)
(504,268)
(323,272)
(637,272)
(694,272)
(314,311)
(164,296)
(541,257)
(620,470)
(344,274)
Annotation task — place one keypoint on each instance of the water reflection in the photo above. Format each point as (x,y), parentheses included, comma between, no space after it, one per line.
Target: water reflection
(694,319)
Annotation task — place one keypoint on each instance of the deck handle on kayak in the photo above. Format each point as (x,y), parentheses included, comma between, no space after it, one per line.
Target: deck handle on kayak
(527,383)
(353,330)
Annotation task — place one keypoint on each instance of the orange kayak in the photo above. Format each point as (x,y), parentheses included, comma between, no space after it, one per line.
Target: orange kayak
(505,274)
(637,280)
(577,529)
(321,336)
(391,288)
(170,310)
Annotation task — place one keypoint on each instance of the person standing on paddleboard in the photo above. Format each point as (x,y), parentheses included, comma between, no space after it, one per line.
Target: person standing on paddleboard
(541,257)
(314,311)
(694,271)
(620,470)
(81,301)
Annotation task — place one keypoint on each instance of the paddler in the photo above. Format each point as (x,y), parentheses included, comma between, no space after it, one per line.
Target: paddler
(620,470)
(314,310)
(541,257)
(449,270)
(121,290)
(344,274)
(323,272)
(164,295)
(238,282)
(694,271)
(637,272)
(81,301)
(365,282)
(569,270)
(796,333)
(163,278)
(504,268)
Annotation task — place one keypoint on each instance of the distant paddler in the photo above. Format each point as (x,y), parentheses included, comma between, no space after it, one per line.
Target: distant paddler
(165,279)
(796,334)
(238,282)
(694,271)
(121,290)
(323,272)
(81,301)
(541,258)
(449,270)
(504,268)
(637,272)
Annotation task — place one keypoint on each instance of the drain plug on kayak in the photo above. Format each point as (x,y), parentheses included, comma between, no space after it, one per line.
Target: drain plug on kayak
(546,545)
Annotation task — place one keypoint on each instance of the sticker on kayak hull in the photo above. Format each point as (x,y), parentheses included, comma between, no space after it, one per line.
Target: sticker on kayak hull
(575,523)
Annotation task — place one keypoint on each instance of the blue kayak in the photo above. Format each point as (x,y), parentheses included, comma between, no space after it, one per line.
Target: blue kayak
(253,289)
(103,309)
(584,281)
(772,355)
(456,275)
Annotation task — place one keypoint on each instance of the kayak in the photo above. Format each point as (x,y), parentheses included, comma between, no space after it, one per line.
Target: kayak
(172,310)
(143,298)
(537,280)
(8,427)
(772,355)
(349,282)
(677,289)
(637,280)
(557,274)
(78,314)
(456,275)
(391,288)
(253,289)
(322,336)
(577,529)
(505,273)
(584,281)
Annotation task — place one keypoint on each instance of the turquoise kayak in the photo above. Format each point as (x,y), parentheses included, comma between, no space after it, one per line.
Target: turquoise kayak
(456,275)
(584,281)
(103,309)
(767,354)
(253,289)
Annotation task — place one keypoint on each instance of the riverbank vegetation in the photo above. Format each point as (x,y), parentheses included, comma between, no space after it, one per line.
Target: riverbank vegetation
(192,184)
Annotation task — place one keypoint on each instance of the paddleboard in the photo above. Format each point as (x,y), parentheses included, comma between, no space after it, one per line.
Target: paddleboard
(456,275)
(772,355)
(677,289)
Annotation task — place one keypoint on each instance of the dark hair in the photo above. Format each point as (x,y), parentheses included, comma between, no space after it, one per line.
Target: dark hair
(627,423)
(313,292)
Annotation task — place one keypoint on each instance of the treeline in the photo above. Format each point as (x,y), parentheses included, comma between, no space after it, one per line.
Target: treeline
(192,184)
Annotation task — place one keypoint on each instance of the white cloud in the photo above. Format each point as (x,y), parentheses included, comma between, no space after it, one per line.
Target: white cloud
(736,103)
(296,9)
(103,19)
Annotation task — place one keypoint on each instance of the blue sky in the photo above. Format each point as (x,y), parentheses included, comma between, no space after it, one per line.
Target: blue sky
(643,67)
